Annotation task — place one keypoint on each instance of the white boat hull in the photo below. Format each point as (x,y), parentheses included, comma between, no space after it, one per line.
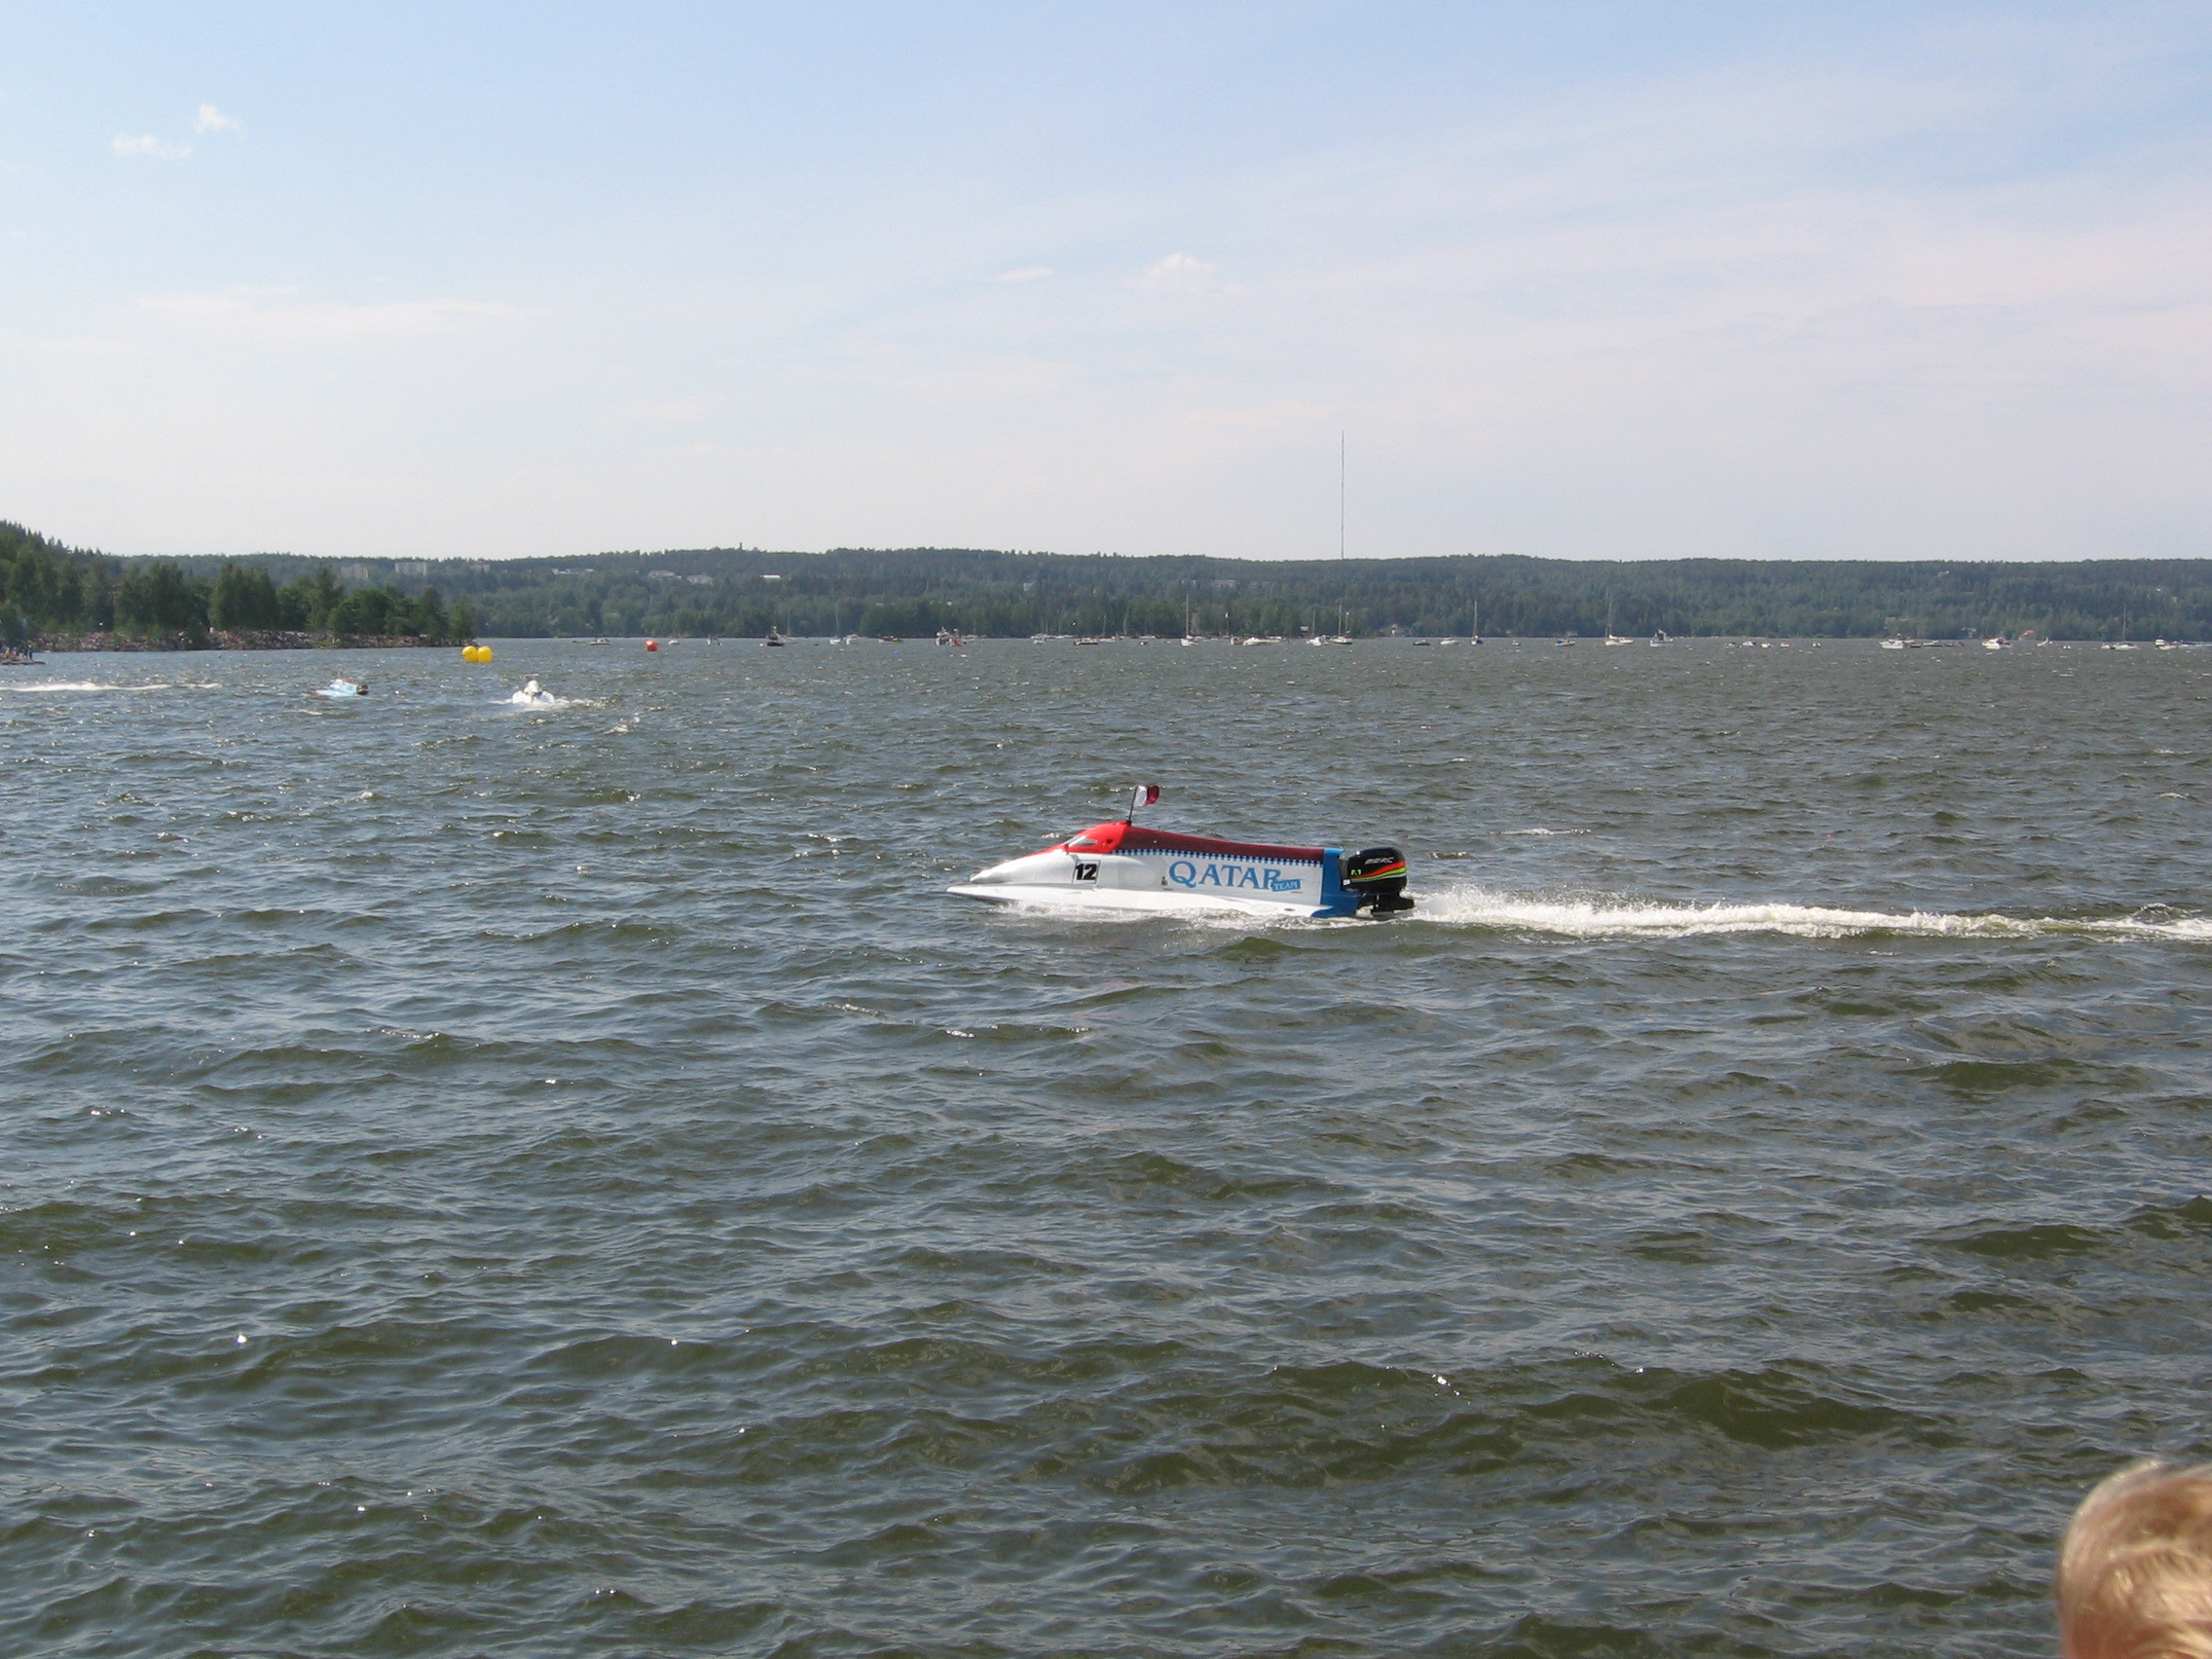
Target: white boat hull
(1131,900)
(1120,867)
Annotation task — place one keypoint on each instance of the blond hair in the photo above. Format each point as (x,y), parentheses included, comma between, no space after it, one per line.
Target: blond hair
(2135,1571)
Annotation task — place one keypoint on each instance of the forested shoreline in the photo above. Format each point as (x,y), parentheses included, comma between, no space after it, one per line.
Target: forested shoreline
(56,595)
(53,597)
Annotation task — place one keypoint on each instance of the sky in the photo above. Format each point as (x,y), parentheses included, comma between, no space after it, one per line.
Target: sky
(1577,280)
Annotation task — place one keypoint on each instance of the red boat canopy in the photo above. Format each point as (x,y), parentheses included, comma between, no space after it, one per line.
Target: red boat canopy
(1118,837)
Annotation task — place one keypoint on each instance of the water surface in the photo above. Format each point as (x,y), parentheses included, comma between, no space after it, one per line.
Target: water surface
(484,1180)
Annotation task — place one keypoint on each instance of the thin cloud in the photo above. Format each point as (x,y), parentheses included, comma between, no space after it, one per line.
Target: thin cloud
(212,120)
(1180,273)
(1025,273)
(669,411)
(278,316)
(146,144)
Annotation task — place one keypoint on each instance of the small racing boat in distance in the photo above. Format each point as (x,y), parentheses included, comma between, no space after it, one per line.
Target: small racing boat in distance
(343,687)
(1123,865)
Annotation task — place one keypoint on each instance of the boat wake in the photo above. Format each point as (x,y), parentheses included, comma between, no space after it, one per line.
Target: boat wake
(78,685)
(544,700)
(1476,909)
(1473,907)
(535,696)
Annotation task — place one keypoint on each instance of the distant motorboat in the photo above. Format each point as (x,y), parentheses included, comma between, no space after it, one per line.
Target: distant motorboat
(774,639)
(342,689)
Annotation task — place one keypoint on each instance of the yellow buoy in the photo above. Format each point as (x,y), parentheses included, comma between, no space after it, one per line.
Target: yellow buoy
(476,654)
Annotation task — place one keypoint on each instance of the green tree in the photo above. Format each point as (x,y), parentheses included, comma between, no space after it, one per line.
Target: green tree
(324,595)
(295,606)
(159,601)
(368,611)
(244,598)
(909,618)
(429,617)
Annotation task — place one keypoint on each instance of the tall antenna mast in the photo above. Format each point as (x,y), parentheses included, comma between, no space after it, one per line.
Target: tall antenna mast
(1339,497)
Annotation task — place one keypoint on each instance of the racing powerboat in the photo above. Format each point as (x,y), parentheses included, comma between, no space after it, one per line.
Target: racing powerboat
(343,687)
(1124,865)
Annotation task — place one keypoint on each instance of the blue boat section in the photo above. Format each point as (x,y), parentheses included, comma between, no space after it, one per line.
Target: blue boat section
(1336,898)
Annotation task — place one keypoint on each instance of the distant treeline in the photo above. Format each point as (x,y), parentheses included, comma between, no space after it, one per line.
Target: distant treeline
(915,591)
(51,591)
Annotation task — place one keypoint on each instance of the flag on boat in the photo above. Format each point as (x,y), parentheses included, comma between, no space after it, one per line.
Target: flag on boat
(1144,794)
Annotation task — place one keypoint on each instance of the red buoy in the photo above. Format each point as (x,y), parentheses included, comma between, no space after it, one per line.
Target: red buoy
(652,645)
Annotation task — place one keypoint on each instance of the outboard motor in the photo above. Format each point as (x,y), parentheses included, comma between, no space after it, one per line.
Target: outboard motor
(1378,874)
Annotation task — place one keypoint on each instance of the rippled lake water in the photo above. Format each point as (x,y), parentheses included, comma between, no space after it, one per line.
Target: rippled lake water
(483,1180)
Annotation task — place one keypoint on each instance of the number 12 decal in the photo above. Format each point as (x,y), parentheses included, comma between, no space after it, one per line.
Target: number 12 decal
(1086,871)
